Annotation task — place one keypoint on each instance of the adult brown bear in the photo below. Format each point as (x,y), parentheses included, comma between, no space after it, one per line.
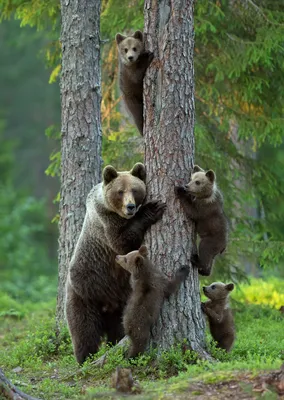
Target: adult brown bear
(97,288)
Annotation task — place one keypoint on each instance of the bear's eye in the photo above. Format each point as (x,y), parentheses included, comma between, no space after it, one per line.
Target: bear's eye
(197,182)
(134,49)
(213,287)
(126,50)
(134,191)
(120,192)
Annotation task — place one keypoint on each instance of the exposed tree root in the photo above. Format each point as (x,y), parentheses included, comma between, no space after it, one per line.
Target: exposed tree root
(10,392)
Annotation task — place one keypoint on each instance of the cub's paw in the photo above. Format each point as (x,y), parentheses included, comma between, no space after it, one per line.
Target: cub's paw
(150,56)
(179,190)
(203,307)
(204,271)
(194,260)
(183,271)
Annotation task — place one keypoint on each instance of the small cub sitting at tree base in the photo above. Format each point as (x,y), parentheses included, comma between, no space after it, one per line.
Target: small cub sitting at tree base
(150,286)
(133,62)
(203,203)
(221,322)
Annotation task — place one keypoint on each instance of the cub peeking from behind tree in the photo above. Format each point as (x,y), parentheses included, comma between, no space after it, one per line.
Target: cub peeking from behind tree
(203,203)
(149,288)
(221,322)
(133,62)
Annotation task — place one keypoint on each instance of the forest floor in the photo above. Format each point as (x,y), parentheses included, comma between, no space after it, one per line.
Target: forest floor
(42,364)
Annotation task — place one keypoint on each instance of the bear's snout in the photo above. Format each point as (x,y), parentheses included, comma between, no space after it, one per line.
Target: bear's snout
(131,208)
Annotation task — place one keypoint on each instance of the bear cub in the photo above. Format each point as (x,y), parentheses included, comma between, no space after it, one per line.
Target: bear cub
(150,286)
(221,322)
(203,203)
(133,63)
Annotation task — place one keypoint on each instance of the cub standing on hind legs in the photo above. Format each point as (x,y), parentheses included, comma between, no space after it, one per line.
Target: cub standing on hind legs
(150,286)
(203,203)
(133,62)
(219,315)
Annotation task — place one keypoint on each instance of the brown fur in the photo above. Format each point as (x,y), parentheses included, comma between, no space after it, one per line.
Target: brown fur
(133,63)
(219,315)
(97,288)
(203,203)
(150,287)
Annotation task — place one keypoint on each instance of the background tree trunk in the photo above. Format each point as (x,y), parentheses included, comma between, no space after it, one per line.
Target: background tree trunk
(81,124)
(169,157)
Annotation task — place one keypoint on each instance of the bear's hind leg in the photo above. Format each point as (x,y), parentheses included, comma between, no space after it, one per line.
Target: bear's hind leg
(204,260)
(139,343)
(113,326)
(85,326)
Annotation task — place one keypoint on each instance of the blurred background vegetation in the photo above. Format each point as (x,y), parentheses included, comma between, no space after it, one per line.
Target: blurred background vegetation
(239,73)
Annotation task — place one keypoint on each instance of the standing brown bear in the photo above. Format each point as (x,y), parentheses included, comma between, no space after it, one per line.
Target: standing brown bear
(203,203)
(133,63)
(219,315)
(97,288)
(150,288)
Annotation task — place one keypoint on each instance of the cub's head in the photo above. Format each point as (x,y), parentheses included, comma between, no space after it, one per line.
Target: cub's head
(124,192)
(130,47)
(202,183)
(218,290)
(133,261)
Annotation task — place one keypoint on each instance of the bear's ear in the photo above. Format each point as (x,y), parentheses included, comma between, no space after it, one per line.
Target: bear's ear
(139,171)
(230,287)
(139,262)
(119,38)
(138,35)
(109,173)
(210,175)
(143,251)
(196,168)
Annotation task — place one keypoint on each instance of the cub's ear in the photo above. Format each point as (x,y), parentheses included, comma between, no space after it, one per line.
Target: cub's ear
(143,251)
(119,38)
(196,168)
(109,173)
(139,171)
(138,35)
(230,287)
(138,261)
(210,175)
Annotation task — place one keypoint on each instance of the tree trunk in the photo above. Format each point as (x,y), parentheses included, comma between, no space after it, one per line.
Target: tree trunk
(81,124)
(169,157)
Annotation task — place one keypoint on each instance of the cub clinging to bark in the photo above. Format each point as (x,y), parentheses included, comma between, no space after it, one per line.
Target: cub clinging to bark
(203,203)
(97,288)
(133,62)
(150,287)
(221,322)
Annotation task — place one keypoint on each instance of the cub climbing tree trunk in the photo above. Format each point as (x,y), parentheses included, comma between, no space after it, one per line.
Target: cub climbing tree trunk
(169,157)
(81,124)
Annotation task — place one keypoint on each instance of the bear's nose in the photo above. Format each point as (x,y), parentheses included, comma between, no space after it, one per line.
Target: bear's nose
(131,207)
(130,58)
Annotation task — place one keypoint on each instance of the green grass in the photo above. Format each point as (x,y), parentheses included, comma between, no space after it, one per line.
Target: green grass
(49,371)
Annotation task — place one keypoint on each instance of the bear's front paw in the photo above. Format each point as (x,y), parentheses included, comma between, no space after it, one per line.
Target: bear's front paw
(154,210)
(203,307)
(179,190)
(194,260)
(150,56)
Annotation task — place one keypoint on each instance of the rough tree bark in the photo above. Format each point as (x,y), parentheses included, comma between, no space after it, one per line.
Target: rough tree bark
(81,124)
(169,156)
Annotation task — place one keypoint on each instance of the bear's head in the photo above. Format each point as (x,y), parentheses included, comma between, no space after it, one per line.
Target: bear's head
(130,47)
(202,183)
(124,192)
(218,290)
(133,261)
